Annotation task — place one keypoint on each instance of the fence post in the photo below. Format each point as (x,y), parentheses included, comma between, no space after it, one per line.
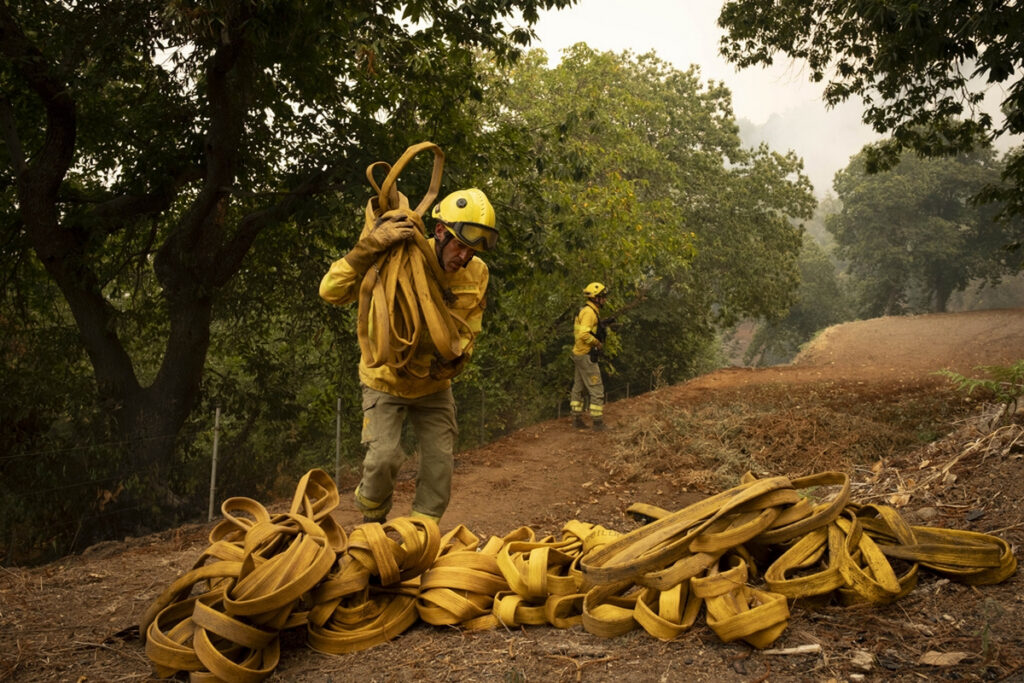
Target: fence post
(337,445)
(213,462)
(483,416)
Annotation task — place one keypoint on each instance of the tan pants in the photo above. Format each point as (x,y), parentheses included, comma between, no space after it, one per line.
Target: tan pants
(433,421)
(587,378)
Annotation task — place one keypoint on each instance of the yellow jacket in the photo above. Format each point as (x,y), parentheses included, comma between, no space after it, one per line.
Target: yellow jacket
(583,329)
(469,285)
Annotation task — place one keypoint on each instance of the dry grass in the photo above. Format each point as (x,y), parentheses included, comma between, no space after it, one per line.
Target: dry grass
(772,430)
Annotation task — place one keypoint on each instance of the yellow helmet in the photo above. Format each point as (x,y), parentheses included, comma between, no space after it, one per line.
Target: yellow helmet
(594,289)
(469,217)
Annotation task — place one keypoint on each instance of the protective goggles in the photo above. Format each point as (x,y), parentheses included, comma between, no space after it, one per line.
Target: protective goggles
(474,235)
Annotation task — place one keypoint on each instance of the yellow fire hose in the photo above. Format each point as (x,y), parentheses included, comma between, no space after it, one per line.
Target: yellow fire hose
(263,574)
(401,298)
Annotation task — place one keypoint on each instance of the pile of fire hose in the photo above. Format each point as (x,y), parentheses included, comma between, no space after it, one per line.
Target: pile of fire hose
(263,574)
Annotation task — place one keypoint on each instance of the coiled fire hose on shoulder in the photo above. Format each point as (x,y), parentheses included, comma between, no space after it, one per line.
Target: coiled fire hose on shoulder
(263,574)
(402,299)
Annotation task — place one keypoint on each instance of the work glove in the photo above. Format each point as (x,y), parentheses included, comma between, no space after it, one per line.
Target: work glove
(446,369)
(388,232)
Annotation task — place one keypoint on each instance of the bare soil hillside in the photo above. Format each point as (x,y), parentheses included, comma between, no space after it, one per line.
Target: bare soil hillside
(862,398)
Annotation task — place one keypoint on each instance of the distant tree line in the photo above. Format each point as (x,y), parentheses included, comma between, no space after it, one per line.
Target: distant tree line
(947,215)
(908,240)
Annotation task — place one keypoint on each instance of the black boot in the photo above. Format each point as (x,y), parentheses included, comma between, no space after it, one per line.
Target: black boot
(577,421)
(599,424)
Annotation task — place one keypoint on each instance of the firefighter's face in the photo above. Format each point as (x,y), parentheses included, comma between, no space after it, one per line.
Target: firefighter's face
(454,254)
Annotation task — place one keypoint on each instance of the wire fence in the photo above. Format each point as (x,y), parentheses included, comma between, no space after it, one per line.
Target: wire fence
(96,485)
(57,501)
(90,500)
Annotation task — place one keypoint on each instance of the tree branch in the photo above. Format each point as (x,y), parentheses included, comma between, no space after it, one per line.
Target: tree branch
(10,130)
(254,223)
(62,248)
(200,231)
(41,178)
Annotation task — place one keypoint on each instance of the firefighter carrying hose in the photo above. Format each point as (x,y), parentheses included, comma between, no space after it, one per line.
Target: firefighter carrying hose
(463,224)
(587,344)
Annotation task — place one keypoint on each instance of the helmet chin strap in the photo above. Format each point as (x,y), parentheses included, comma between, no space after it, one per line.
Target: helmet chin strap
(440,245)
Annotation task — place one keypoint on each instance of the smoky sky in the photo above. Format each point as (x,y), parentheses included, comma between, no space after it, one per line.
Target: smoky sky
(825,140)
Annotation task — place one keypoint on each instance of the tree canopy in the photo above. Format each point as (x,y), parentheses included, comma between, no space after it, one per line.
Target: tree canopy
(821,301)
(150,146)
(921,68)
(622,169)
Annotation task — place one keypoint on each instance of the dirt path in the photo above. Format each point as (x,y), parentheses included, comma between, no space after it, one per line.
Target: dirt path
(888,348)
(73,619)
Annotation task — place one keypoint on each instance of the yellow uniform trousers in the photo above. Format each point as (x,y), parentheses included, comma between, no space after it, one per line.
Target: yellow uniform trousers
(587,379)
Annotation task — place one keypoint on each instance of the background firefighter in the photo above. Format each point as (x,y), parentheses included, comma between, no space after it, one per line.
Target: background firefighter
(587,371)
(422,392)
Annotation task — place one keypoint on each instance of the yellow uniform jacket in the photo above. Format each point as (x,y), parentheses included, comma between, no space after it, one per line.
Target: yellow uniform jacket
(469,285)
(583,329)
